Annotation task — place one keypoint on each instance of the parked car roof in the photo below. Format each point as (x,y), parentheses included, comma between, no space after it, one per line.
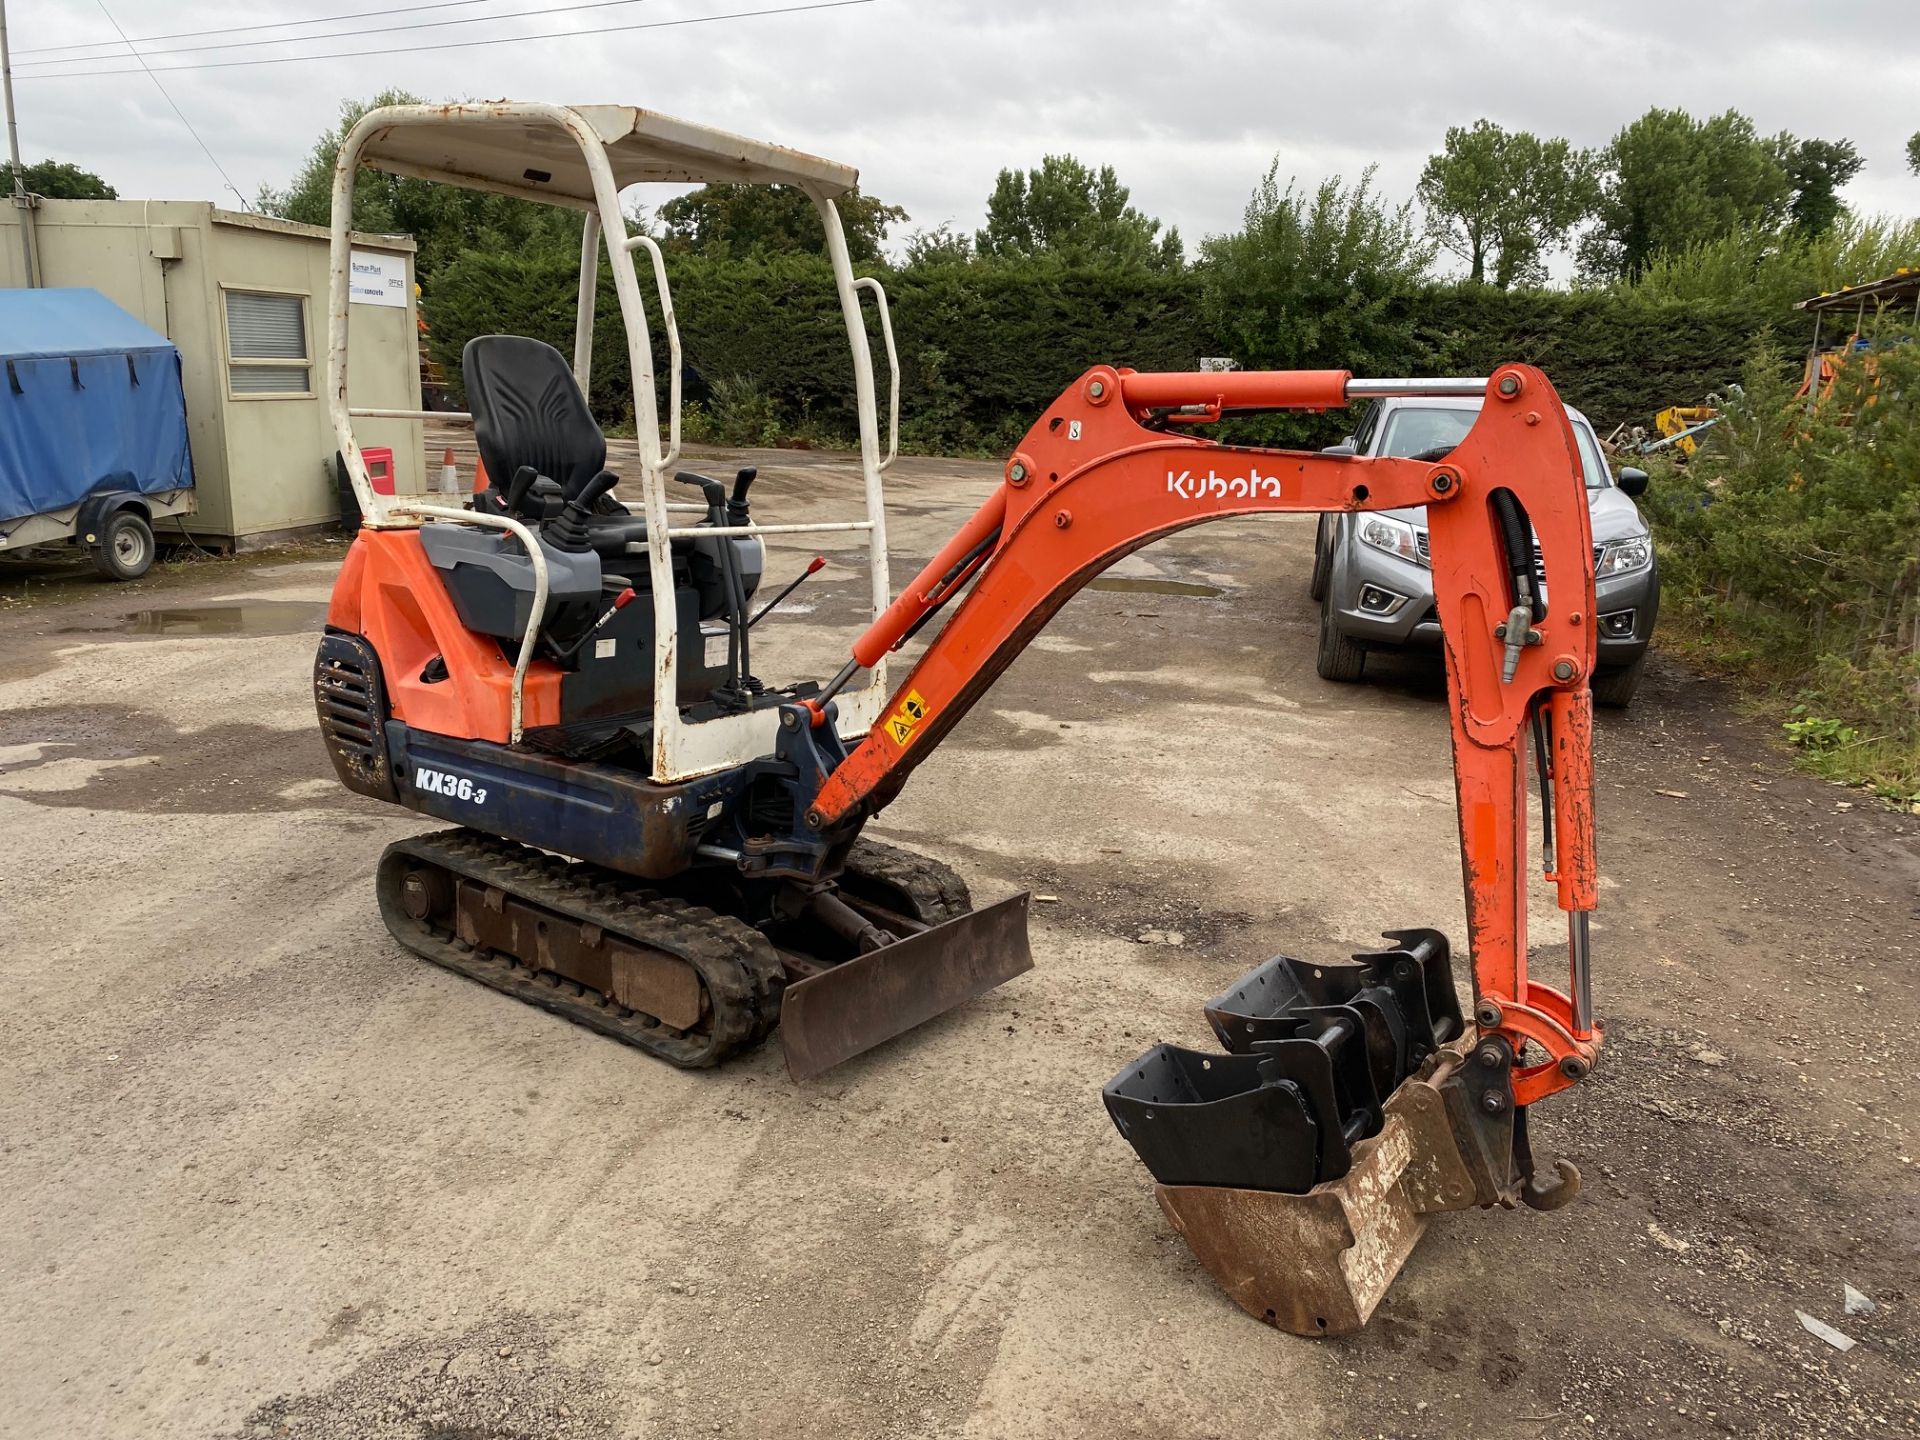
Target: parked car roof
(1455,402)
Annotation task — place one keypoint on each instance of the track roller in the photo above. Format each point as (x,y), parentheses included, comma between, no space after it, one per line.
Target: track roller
(601,949)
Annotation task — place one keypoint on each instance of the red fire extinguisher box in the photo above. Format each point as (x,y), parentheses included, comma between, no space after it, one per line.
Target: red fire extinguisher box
(379,460)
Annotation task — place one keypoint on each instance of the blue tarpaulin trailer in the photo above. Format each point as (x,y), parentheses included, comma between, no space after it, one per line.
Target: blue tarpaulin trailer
(93,428)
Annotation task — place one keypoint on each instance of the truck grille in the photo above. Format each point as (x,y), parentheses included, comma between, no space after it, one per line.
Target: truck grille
(1423,548)
(1540,569)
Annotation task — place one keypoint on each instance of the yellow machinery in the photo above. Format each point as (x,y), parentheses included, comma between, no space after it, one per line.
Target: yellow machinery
(1678,424)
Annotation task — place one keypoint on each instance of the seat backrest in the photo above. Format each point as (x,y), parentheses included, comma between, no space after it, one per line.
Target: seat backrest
(528,410)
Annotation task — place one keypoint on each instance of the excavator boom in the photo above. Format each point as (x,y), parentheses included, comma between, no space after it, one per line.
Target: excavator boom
(1511,549)
(1353,1100)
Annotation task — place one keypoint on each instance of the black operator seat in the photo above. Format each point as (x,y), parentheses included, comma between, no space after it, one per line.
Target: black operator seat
(528,411)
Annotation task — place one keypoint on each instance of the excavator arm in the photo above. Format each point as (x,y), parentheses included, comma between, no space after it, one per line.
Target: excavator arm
(1105,471)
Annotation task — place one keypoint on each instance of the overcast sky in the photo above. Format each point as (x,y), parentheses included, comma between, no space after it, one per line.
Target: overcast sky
(1189,99)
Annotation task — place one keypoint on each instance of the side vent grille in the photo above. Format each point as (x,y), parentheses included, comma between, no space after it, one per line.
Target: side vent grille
(352,706)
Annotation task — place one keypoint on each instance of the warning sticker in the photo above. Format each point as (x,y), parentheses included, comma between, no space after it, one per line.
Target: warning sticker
(910,712)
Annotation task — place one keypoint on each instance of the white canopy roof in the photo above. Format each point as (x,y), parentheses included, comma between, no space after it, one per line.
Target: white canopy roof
(517,148)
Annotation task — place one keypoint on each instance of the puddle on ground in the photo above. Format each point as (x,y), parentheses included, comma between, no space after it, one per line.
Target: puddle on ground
(252,617)
(1153,587)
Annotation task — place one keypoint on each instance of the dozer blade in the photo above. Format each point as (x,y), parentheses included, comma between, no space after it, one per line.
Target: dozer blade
(842,1012)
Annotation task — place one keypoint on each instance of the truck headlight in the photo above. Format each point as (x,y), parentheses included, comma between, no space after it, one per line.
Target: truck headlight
(1395,537)
(1620,557)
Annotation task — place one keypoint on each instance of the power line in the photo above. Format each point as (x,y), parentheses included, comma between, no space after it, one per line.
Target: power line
(448,44)
(248,29)
(337,34)
(176,109)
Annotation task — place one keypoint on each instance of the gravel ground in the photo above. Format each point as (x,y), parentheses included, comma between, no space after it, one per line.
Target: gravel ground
(269,1175)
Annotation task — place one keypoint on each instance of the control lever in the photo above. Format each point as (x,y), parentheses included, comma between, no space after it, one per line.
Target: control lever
(569,529)
(620,602)
(712,491)
(715,494)
(816,564)
(737,506)
(518,488)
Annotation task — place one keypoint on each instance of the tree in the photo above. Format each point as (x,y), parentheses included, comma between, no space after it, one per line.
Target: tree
(938,246)
(443,219)
(1068,209)
(1913,152)
(1508,198)
(743,220)
(1313,278)
(1672,182)
(59,180)
(1817,169)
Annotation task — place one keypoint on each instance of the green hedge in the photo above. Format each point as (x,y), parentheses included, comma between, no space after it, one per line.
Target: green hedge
(986,345)
(482,293)
(1619,357)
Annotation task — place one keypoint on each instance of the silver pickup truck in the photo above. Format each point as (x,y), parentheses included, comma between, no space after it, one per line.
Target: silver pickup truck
(1371,573)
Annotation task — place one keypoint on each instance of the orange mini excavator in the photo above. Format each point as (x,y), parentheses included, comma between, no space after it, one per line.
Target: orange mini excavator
(652,842)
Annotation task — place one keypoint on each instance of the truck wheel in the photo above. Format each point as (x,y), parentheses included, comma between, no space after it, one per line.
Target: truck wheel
(125,548)
(1322,561)
(1339,658)
(1615,688)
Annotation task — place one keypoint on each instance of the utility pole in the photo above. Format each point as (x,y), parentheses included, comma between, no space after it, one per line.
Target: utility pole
(22,201)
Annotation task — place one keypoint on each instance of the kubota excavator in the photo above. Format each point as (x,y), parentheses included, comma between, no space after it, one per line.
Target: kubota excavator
(654,843)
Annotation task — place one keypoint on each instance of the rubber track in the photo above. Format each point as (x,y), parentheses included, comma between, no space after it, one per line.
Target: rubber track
(738,968)
(937,891)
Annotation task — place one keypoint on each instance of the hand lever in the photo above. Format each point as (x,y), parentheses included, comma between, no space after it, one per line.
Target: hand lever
(569,529)
(620,602)
(577,490)
(522,482)
(737,509)
(591,491)
(817,563)
(738,665)
(712,491)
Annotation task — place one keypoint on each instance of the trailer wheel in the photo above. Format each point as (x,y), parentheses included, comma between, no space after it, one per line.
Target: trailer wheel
(125,548)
